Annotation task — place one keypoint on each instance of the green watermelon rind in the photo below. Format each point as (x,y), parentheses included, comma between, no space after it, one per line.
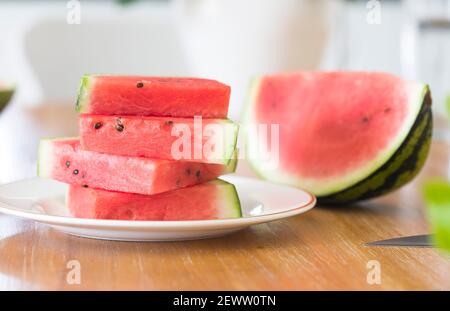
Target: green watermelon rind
(83,94)
(231,199)
(6,93)
(230,138)
(417,97)
(230,141)
(232,164)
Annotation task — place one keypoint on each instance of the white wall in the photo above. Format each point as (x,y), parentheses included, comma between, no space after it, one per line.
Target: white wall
(46,56)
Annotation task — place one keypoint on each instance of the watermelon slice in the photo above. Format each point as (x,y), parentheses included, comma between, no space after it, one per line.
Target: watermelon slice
(153,96)
(344,136)
(216,199)
(6,93)
(160,138)
(64,160)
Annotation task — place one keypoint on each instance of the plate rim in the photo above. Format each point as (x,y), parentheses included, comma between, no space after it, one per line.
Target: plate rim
(57,220)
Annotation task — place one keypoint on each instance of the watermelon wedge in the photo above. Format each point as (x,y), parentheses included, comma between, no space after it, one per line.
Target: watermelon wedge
(153,96)
(64,160)
(216,199)
(344,136)
(189,139)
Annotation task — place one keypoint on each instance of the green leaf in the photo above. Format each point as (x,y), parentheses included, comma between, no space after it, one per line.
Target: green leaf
(437,198)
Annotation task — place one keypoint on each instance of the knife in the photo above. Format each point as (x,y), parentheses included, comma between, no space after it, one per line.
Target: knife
(424,240)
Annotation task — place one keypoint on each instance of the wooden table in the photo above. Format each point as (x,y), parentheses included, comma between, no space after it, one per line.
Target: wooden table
(322,249)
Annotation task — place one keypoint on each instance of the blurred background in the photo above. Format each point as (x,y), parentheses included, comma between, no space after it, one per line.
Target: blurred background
(46,46)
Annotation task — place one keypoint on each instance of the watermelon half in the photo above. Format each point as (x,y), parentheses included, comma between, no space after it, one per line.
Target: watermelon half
(216,199)
(153,96)
(344,136)
(64,160)
(205,140)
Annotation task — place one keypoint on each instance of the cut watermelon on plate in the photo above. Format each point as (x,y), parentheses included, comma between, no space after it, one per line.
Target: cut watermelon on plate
(64,160)
(216,199)
(189,139)
(344,136)
(153,96)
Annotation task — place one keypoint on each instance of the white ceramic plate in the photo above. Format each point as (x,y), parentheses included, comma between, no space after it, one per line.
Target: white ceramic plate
(42,200)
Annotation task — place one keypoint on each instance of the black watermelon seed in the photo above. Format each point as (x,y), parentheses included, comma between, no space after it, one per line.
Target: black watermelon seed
(140,84)
(67,163)
(85,186)
(98,125)
(169,123)
(188,171)
(75,172)
(119,127)
(197,174)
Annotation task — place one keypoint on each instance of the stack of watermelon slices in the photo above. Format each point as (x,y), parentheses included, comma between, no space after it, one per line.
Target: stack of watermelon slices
(149,149)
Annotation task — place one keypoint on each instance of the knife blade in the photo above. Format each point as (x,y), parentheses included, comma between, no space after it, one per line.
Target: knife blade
(424,240)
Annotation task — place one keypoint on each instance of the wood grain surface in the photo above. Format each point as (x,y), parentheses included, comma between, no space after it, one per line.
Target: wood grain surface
(322,249)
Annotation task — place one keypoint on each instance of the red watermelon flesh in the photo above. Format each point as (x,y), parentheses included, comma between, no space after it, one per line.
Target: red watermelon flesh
(335,127)
(212,200)
(153,96)
(64,160)
(158,137)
